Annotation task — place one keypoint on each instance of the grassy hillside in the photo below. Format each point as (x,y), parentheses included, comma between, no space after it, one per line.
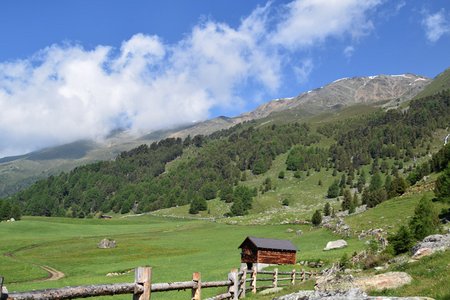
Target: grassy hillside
(440,83)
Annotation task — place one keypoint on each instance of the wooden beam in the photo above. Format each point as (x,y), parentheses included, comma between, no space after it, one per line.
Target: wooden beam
(77,292)
(142,277)
(1,287)
(253,284)
(243,282)
(275,278)
(234,289)
(197,288)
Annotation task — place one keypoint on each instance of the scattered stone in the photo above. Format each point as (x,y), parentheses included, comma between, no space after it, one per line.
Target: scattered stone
(271,291)
(430,245)
(399,260)
(338,244)
(299,232)
(352,294)
(289,230)
(381,268)
(107,244)
(315,264)
(390,280)
(112,274)
(355,294)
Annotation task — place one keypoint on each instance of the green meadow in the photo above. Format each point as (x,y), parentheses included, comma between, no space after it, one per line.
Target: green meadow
(174,248)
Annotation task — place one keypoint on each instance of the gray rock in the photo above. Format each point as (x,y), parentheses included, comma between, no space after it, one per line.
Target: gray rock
(338,244)
(106,244)
(431,244)
(299,232)
(352,294)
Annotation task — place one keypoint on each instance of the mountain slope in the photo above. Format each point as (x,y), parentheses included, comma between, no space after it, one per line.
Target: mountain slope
(440,83)
(18,172)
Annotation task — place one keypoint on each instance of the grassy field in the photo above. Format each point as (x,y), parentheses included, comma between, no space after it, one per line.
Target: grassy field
(174,248)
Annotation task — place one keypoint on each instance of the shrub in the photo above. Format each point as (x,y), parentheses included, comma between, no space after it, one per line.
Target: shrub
(402,241)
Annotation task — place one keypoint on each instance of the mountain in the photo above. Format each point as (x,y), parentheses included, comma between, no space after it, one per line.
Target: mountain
(20,171)
(439,83)
(372,90)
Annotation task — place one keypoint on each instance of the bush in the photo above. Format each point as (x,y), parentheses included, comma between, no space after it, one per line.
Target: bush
(373,260)
(285,202)
(402,241)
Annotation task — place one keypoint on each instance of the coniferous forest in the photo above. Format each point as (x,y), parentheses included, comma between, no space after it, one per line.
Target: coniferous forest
(175,172)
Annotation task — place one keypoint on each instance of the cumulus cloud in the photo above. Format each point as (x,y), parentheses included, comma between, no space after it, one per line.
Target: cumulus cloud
(66,92)
(436,25)
(308,22)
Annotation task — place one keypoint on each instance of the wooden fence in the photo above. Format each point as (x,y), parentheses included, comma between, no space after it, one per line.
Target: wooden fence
(142,288)
(274,278)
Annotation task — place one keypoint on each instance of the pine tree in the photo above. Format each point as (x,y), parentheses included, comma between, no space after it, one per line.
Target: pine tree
(375,182)
(425,220)
(333,190)
(237,209)
(347,202)
(316,218)
(327,209)
(442,188)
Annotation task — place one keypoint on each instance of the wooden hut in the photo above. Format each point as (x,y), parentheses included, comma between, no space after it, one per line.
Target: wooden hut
(267,251)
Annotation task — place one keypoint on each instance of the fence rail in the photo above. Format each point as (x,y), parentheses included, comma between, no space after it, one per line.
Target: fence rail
(142,288)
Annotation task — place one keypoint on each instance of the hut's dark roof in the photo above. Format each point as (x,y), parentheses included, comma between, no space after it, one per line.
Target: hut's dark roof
(270,244)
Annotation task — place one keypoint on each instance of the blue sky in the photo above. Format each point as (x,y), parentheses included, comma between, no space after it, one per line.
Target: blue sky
(78,69)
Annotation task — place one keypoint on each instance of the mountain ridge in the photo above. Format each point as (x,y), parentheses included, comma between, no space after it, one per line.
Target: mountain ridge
(15,172)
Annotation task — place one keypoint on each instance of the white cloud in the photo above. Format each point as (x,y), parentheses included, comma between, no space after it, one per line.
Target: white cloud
(348,51)
(303,70)
(436,25)
(66,92)
(307,22)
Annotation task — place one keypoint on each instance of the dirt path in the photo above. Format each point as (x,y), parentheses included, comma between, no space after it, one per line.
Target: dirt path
(54,274)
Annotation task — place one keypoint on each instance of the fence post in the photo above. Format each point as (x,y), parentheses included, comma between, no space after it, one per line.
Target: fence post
(243,282)
(275,278)
(197,289)
(293,277)
(234,288)
(253,283)
(303,275)
(1,286)
(143,276)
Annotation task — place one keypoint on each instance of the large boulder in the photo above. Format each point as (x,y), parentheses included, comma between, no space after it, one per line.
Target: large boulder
(430,245)
(390,280)
(338,244)
(106,244)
